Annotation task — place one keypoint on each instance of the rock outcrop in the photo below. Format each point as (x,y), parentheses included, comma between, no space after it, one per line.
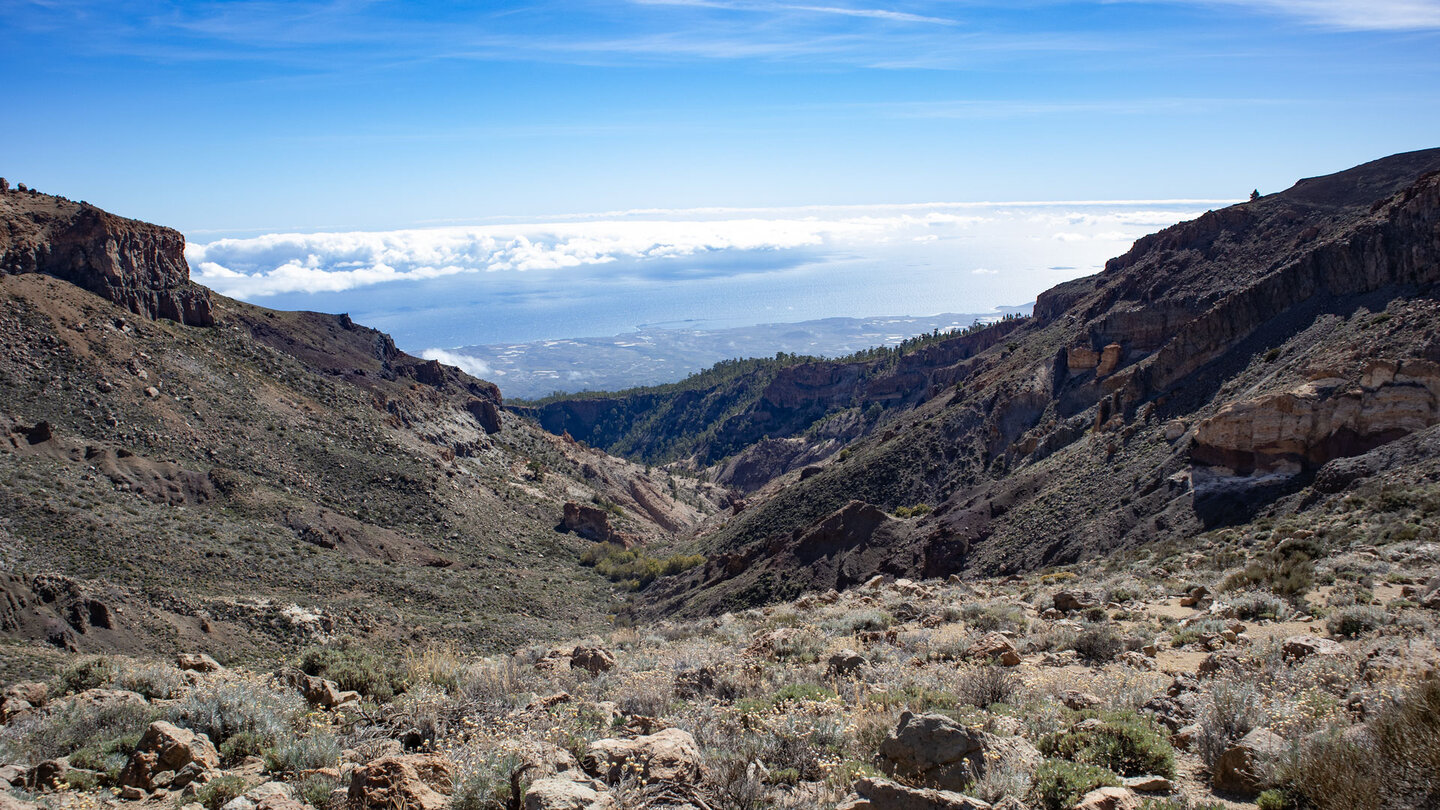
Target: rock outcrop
(417,781)
(1240,769)
(934,750)
(883,794)
(136,265)
(165,747)
(1327,418)
(670,755)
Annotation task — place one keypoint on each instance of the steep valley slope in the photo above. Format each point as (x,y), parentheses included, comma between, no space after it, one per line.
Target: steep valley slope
(183,471)
(1204,378)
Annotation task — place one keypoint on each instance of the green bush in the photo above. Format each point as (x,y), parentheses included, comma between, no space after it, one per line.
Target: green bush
(216,793)
(988,617)
(87,673)
(1356,620)
(1287,570)
(859,621)
(107,756)
(314,790)
(1060,784)
(1255,605)
(1098,643)
(789,694)
(1126,744)
(359,668)
(241,745)
(634,567)
(916,698)
(1274,799)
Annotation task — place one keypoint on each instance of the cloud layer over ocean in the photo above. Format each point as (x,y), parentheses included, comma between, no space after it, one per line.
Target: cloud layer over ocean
(333,262)
(604,273)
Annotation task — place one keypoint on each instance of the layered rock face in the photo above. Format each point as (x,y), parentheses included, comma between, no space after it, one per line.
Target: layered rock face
(134,264)
(1323,419)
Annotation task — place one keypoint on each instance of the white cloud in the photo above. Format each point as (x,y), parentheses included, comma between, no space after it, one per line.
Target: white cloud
(1350,15)
(650,245)
(473,366)
(984,271)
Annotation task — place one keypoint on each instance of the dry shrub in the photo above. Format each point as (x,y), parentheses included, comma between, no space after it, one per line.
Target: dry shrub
(1392,763)
(1234,708)
(986,685)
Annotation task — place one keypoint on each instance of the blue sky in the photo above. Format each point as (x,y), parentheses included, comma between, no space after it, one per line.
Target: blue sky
(232,118)
(467,173)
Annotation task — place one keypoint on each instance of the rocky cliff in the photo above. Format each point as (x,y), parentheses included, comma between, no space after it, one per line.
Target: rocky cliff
(278,478)
(1203,377)
(136,265)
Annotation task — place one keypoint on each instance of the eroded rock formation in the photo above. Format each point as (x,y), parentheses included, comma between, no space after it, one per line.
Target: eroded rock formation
(134,264)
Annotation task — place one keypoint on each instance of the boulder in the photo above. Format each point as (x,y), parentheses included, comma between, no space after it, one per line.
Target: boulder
(29,691)
(883,794)
(1239,769)
(316,690)
(1184,738)
(486,412)
(49,773)
(1109,798)
(197,662)
(1067,601)
(845,662)
(13,776)
(592,658)
(414,781)
(165,747)
(994,646)
(670,755)
(552,793)
(1296,648)
(1077,700)
(11,708)
(1148,784)
(932,749)
(105,698)
(590,522)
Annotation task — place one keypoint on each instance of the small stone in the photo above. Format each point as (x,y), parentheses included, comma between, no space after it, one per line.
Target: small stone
(1148,784)
(1109,798)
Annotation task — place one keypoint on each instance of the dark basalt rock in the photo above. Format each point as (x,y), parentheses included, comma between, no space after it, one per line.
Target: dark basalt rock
(134,264)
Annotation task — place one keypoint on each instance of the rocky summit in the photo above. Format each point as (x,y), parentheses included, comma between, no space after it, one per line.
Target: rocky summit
(1170,542)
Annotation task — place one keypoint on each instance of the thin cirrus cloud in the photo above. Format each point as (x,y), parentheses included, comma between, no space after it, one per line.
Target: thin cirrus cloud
(653,247)
(1345,15)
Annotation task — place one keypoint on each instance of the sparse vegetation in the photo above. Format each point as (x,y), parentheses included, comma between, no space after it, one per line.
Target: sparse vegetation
(633,567)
